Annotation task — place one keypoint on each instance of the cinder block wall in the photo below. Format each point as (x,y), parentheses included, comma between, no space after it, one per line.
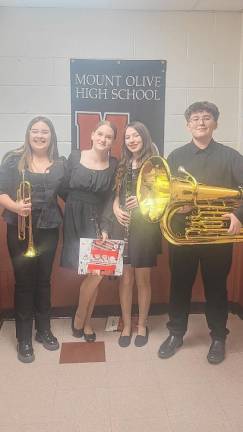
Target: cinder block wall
(203,51)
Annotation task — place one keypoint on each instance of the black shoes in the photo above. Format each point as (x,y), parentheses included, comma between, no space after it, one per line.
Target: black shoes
(124,341)
(216,352)
(140,340)
(47,339)
(90,337)
(25,352)
(78,333)
(170,346)
(25,349)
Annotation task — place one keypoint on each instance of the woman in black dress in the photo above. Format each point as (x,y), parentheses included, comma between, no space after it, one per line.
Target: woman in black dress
(143,238)
(86,216)
(37,162)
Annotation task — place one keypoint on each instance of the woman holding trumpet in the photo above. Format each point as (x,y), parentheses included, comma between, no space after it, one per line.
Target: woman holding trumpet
(31,177)
(142,239)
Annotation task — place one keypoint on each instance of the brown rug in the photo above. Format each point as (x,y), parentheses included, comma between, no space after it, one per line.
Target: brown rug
(82,352)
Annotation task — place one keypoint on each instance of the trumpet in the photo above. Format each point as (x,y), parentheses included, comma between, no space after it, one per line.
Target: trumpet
(24,193)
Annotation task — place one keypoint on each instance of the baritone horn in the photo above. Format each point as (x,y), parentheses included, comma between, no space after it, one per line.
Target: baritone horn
(25,222)
(161,196)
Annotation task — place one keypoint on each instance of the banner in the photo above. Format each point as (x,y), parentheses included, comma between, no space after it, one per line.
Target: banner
(120,91)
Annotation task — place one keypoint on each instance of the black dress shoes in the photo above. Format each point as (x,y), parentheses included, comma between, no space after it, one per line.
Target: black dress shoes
(169,346)
(124,341)
(78,333)
(48,340)
(89,337)
(216,353)
(25,352)
(140,340)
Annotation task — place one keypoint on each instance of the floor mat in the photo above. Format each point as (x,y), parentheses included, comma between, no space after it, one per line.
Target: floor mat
(82,352)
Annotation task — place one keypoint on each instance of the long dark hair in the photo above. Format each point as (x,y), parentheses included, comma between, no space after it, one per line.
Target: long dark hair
(25,151)
(148,149)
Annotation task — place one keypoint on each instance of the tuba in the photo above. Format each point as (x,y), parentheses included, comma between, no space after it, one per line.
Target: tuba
(24,193)
(161,196)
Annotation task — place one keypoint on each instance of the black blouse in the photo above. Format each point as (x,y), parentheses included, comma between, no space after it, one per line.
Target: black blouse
(45,187)
(92,188)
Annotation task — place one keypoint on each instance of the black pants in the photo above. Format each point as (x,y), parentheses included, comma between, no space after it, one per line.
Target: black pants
(32,280)
(215,262)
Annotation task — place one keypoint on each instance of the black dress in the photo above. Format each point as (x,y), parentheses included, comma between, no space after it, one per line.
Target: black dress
(86,213)
(144,240)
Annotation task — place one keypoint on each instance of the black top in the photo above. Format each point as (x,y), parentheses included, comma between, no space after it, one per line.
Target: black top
(44,190)
(216,165)
(88,209)
(92,187)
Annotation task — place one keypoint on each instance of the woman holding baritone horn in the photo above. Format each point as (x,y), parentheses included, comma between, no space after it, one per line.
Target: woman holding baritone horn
(142,239)
(31,177)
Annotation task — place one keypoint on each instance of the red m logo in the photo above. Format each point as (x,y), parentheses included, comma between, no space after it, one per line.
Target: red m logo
(86,121)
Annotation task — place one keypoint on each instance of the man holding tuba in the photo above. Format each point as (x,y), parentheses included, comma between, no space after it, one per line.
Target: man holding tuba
(214,164)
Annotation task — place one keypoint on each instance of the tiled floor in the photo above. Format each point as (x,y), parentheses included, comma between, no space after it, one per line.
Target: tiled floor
(132,391)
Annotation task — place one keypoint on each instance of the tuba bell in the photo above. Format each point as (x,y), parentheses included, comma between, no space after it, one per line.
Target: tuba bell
(161,196)
(25,222)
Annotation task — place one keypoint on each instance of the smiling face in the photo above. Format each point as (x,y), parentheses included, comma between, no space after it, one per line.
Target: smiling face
(201,125)
(133,141)
(39,137)
(102,138)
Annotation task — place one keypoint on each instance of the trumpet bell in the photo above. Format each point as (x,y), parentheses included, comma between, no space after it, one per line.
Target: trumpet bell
(30,252)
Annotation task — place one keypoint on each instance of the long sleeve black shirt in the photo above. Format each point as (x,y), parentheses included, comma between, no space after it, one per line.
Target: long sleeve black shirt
(216,165)
(44,191)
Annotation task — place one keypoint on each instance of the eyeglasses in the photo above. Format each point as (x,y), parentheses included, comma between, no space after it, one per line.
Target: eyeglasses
(204,119)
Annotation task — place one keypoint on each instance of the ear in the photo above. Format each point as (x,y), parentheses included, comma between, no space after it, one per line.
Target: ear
(215,125)
(188,126)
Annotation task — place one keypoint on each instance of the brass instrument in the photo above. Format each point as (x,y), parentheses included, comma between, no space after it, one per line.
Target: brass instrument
(24,193)
(161,197)
(128,193)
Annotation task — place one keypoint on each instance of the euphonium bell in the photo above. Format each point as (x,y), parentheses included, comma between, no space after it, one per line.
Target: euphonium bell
(25,222)
(161,197)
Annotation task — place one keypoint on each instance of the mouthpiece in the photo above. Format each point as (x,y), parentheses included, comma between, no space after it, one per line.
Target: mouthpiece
(189,177)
